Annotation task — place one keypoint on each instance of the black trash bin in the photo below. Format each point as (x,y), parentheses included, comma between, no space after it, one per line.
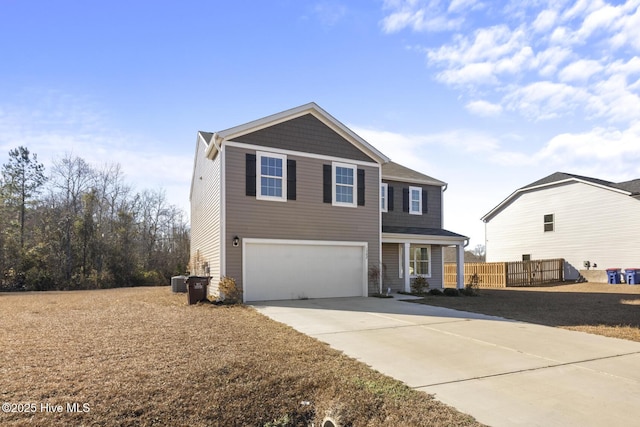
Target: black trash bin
(197,289)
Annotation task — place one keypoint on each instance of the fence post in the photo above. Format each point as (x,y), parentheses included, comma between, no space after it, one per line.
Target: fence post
(506,274)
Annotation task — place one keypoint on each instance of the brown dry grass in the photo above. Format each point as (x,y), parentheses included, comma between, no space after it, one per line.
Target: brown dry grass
(597,308)
(141,356)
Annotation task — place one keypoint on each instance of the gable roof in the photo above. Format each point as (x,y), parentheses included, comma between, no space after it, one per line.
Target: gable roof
(630,188)
(395,172)
(218,138)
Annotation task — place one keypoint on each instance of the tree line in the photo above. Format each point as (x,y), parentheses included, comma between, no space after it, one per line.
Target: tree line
(82,227)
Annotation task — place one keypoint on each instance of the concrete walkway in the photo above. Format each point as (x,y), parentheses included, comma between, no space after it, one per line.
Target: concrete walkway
(502,372)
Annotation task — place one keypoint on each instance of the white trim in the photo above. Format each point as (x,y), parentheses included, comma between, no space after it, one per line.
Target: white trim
(299,153)
(259,195)
(419,190)
(385,206)
(400,260)
(435,183)
(406,263)
(223,214)
(420,238)
(354,195)
(364,245)
(411,259)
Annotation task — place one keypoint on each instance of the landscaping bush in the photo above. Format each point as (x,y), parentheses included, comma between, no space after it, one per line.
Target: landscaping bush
(419,285)
(471,288)
(436,292)
(229,291)
(451,292)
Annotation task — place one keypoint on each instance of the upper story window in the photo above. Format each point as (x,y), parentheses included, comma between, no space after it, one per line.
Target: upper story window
(271,176)
(344,184)
(548,222)
(415,200)
(384,197)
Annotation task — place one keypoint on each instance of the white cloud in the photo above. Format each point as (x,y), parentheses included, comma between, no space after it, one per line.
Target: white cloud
(484,108)
(620,149)
(419,17)
(545,100)
(330,14)
(580,71)
(545,21)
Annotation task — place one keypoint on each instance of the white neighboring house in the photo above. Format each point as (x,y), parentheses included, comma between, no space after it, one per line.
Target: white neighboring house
(568,216)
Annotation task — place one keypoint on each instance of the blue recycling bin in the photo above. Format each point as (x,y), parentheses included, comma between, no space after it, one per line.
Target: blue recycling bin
(633,276)
(613,276)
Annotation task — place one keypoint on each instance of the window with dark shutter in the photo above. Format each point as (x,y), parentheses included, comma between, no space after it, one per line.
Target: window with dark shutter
(390,198)
(326,184)
(360,187)
(291,180)
(250,173)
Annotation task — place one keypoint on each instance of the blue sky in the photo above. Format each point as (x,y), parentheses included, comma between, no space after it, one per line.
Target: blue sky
(485,95)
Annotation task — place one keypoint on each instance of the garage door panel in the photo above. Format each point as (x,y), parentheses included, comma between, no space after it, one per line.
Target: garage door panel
(303,270)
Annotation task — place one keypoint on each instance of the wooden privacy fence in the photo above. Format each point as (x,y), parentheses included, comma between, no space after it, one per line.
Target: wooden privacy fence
(508,274)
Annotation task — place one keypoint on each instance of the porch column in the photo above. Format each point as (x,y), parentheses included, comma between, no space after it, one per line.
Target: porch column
(460,266)
(407,273)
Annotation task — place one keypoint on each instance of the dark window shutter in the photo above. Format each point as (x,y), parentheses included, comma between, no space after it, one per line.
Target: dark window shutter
(326,184)
(360,187)
(389,198)
(291,179)
(250,160)
(405,200)
(424,202)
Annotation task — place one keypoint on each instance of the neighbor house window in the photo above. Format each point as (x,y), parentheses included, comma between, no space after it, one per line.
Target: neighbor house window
(420,260)
(548,222)
(384,197)
(344,184)
(271,179)
(415,200)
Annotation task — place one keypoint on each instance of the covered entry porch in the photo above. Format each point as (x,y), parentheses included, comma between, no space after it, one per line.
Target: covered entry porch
(409,252)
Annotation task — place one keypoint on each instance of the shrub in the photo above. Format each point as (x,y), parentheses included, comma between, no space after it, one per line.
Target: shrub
(436,292)
(419,285)
(451,292)
(471,288)
(229,291)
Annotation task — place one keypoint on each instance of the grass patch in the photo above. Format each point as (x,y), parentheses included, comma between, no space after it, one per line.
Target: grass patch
(142,357)
(596,308)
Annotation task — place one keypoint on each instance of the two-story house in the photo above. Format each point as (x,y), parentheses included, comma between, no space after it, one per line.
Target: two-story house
(296,205)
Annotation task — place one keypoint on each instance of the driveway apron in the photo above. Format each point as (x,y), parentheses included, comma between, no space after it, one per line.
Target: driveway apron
(502,372)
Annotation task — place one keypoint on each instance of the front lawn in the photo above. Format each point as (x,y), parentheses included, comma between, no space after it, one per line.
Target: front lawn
(141,356)
(597,308)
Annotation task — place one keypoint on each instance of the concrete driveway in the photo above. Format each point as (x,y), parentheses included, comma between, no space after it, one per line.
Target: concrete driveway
(502,372)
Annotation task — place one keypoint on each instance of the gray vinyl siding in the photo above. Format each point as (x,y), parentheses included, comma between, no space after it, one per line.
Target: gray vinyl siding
(306,218)
(436,280)
(391,268)
(206,224)
(306,134)
(431,219)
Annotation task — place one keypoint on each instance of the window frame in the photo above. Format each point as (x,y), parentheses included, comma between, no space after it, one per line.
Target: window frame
(546,223)
(411,200)
(259,176)
(334,184)
(384,199)
(412,260)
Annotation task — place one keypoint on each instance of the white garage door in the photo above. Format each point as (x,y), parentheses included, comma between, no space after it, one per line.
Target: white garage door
(275,269)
